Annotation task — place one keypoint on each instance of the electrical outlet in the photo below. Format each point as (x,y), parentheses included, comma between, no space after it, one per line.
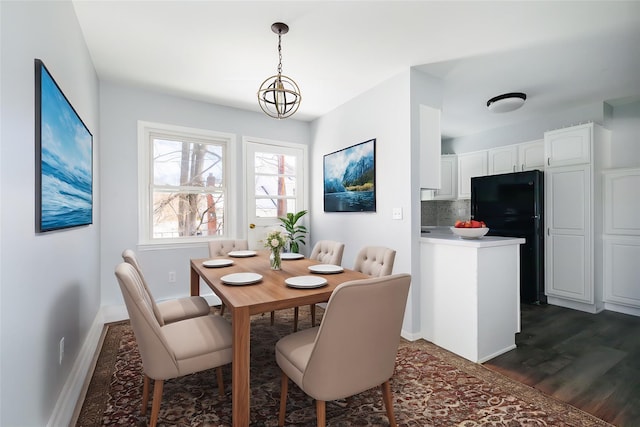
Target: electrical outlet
(172,277)
(61,348)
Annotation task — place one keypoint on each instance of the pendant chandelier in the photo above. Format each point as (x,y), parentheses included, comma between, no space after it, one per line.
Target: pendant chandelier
(279,96)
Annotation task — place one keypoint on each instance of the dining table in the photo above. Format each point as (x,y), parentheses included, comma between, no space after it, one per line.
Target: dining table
(245,296)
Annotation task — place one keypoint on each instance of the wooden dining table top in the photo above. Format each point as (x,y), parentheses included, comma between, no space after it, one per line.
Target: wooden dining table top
(271,293)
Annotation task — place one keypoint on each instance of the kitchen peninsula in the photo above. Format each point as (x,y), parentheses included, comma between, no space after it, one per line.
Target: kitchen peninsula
(470,294)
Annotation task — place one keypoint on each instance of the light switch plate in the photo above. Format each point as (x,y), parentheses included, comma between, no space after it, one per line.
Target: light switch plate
(397,213)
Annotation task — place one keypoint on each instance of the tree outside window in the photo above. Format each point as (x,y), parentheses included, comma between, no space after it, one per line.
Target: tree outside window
(188,187)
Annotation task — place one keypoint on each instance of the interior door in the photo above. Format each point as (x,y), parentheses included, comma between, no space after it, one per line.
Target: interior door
(275,185)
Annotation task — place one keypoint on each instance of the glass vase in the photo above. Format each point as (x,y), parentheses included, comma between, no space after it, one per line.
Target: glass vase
(275,260)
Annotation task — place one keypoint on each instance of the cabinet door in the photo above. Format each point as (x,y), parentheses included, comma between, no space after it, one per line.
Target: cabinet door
(430,143)
(470,165)
(503,159)
(531,155)
(622,270)
(568,239)
(448,178)
(569,146)
(621,202)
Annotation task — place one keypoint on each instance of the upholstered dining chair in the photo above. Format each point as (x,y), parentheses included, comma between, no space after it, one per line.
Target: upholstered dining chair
(172,310)
(375,261)
(173,350)
(222,248)
(354,348)
(327,252)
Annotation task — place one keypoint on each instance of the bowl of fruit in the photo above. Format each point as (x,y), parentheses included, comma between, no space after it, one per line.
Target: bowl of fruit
(471,229)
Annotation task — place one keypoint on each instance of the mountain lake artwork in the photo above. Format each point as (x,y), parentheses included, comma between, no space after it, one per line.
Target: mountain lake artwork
(350,179)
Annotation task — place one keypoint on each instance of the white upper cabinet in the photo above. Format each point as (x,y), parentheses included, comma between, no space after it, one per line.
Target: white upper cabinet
(570,146)
(503,159)
(470,165)
(430,143)
(531,155)
(448,178)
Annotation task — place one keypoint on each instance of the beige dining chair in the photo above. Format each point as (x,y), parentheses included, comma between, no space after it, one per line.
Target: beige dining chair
(175,349)
(219,248)
(327,252)
(223,247)
(375,261)
(354,349)
(172,310)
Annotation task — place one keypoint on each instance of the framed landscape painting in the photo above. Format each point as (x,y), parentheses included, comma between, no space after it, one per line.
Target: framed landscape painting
(350,179)
(64,158)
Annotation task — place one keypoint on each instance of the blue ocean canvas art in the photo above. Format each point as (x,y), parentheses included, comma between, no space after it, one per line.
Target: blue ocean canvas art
(350,179)
(66,160)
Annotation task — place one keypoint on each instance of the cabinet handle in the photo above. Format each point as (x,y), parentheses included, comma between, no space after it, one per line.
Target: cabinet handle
(514,168)
(548,161)
(548,231)
(522,168)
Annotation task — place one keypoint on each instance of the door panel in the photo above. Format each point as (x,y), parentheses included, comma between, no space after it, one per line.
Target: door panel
(275,186)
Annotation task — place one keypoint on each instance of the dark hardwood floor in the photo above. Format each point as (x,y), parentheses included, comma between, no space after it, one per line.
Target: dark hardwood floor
(591,361)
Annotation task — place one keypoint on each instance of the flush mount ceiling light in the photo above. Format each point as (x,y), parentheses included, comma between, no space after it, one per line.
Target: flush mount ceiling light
(506,102)
(279,96)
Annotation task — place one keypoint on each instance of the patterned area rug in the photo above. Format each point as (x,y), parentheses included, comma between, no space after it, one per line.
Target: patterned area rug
(431,387)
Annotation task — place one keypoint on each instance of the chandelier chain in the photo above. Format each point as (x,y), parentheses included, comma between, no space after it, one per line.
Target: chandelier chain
(279,55)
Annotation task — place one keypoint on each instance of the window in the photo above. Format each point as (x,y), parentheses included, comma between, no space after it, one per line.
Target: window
(184,183)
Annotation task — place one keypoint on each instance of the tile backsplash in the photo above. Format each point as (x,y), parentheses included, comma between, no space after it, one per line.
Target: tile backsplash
(444,212)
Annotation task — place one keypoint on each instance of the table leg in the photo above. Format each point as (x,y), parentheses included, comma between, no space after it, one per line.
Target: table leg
(240,321)
(195,282)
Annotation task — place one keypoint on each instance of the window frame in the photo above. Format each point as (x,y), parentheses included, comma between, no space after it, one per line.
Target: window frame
(146,186)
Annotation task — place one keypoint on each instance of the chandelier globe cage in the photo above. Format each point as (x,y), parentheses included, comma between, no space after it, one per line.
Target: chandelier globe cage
(279,96)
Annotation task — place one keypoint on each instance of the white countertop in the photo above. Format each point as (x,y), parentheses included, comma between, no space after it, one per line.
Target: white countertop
(483,242)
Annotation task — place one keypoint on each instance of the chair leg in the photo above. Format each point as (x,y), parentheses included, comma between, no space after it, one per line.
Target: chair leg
(321,413)
(273,318)
(312,307)
(155,406)
(284,385)
(296,312)
(222,310)
(220,381)
(388,402)
(145,394)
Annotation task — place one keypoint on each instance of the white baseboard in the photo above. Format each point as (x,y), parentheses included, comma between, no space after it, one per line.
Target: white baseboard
(63,412)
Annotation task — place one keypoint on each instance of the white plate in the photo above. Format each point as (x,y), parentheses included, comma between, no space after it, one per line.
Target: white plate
(291,255)
(306,282)
(219,262)
(241,278)
(325,268)
(241,254)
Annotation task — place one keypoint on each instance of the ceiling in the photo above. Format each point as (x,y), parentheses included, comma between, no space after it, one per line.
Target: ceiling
(562,54)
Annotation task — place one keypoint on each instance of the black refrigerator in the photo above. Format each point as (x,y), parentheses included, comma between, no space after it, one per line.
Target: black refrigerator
(512,205)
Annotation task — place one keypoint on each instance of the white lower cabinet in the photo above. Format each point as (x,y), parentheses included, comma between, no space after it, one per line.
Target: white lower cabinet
(621,240)
(568,243)
(622,271)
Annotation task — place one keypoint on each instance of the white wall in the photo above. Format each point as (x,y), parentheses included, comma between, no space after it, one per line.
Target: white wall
(120,109)
(625,138)
(526,131)
(49,283)
(382,113)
